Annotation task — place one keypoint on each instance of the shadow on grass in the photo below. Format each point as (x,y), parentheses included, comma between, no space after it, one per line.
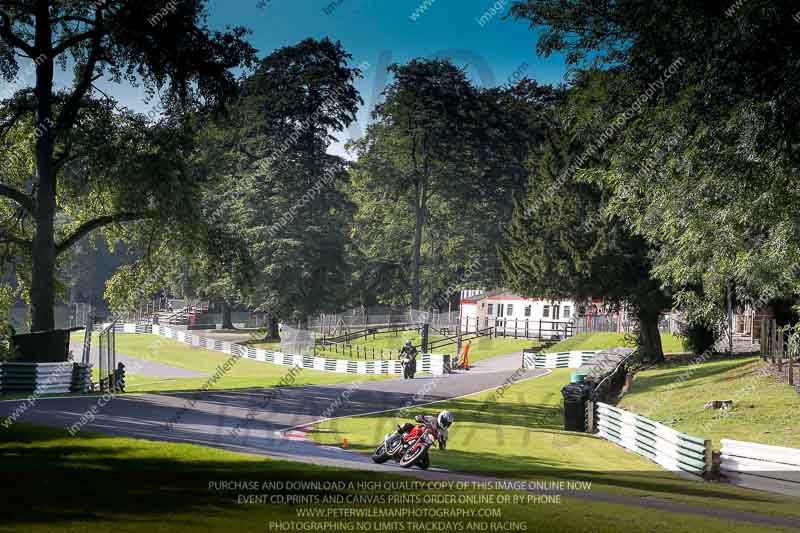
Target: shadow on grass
(657,484)
(52,480)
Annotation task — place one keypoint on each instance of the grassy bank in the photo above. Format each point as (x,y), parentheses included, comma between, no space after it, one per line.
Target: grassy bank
(604,340)
(518,434)
(244,373)
(94,483)
(481,348)
(763,410)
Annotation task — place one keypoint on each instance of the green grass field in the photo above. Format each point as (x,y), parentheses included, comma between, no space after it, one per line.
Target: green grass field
(763,410)
(481,348)
(95,483)
(604,340)
(519,435)
(245,373)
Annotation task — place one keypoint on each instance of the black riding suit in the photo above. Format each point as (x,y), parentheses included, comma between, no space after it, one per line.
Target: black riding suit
(412,355)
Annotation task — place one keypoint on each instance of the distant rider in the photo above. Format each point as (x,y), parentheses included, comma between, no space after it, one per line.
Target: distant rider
(409,353)
(440,425)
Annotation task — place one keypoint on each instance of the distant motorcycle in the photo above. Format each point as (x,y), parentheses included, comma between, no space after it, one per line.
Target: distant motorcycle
(409,366)
(408,449)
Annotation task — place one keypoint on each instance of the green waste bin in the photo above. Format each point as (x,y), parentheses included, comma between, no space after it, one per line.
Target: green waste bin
(576,395)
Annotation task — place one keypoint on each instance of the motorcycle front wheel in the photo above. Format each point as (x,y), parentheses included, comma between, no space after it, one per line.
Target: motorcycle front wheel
(411,456)
(425,461)
(380,456)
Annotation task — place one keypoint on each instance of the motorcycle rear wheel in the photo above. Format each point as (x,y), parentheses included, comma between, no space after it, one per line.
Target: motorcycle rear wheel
(411,456)
(380,456)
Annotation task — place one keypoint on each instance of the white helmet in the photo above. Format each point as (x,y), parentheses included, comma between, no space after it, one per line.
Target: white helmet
(409,344)
(445,419)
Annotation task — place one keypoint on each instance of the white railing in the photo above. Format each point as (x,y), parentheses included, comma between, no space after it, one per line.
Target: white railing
(761,467)
(574,359)
(435,364)
(675,451)
(45,378)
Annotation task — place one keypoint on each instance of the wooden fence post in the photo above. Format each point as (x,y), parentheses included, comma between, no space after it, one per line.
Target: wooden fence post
(590,416)
(709,460)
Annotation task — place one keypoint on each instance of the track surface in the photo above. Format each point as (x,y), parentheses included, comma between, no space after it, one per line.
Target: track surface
(257,421)
(252,419)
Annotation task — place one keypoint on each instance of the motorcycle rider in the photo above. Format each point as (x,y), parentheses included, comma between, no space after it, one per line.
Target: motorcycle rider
(409,352)
(440,424)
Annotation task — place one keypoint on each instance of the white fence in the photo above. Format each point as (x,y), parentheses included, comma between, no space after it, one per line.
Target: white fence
(45,378)
(675,451)
(435,364)
(557,360)
(762,467)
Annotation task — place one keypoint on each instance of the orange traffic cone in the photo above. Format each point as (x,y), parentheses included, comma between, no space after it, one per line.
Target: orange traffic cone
(345,443)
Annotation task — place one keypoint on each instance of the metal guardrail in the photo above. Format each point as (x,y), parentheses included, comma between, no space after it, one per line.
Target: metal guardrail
(761,467)
(435,364)
(45,378)
(111,374)
(574,359)
(675,451)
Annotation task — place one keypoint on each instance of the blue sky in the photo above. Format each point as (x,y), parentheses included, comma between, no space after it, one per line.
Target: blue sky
(381,32)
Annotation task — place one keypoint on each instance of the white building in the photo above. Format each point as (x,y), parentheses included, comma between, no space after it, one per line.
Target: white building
(513,315)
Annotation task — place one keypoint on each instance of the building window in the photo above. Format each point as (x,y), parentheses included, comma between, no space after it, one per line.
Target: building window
(527,310)
(509,310)
(566,311)
(546,311)
(490,309)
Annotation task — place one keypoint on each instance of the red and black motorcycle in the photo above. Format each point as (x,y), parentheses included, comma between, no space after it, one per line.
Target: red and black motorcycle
(408,449)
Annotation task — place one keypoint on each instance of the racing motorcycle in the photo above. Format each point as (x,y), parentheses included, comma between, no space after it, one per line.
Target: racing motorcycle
(408,449)
(409,366)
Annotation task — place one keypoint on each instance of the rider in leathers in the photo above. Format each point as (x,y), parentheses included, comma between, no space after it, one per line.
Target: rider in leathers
(409,350)
(439,423)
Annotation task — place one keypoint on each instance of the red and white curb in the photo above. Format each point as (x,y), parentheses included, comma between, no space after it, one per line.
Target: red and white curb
(295,434)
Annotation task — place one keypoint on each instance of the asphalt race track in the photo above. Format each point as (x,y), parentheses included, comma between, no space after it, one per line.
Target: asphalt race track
(262,421)
(255,420)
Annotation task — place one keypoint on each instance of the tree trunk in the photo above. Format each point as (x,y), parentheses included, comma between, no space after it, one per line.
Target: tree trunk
(649,340)
(273,328)
(416,260)
(42,291)
(226,316)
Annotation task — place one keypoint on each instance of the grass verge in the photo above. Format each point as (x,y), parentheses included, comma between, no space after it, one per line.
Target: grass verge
(604,340)
(95,483)
(244,373)
(481,348)
(763,410)
(517,434)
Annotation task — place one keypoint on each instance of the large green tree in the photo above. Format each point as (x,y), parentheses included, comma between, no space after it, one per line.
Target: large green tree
(414,148)
(295,216)
(705,168)
(564,243)
(455,230)
(91,164)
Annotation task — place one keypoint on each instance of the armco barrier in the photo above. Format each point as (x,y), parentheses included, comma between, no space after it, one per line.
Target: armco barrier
(45,378)
(435,364)
(556,360)
(673,450)
(761,467)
